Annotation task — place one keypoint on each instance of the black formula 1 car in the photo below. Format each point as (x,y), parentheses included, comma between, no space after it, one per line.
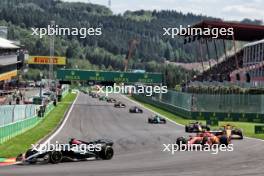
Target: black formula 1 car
(75,150)
(119,105)
(111,100)
(156,120)
(195,127)
(135,109)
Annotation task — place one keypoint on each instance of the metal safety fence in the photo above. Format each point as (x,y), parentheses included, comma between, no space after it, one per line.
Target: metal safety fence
(13,113)
(239,103)
(13,129)
(17,119)
(228,103)
(195,115)
(178,99)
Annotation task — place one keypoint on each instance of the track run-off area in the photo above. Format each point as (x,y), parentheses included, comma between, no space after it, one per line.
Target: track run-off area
(139,147)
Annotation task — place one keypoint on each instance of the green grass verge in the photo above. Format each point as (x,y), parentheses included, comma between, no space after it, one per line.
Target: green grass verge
(248,128)
(22,142)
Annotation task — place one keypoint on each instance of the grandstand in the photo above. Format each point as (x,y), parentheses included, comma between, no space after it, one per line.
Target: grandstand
(246,64)
(253,62)
(221,71)
(9,61)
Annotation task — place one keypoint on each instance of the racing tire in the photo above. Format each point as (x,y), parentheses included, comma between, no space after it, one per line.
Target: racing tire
(107,153)
(207,128)
(181,140)
(239,133)
(19,157)
(205,140)
(55,157)
(187,129)
(224,140)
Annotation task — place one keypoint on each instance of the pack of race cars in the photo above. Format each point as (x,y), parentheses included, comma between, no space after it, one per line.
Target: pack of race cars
(155,119)
(204,135)
(193,127)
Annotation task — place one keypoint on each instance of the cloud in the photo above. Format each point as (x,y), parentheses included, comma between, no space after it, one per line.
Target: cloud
(226,9)
(244,11)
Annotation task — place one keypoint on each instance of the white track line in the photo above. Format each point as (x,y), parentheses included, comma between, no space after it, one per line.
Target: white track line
(172,120)
(254,138)
(40,147)
(63,123)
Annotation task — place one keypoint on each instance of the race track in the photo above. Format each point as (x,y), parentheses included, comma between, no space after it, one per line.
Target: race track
(138,147)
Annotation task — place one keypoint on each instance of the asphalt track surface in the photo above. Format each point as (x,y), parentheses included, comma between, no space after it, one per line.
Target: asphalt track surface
(138,147)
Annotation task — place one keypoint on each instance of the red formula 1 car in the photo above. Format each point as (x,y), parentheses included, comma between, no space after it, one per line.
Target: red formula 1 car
(205,137)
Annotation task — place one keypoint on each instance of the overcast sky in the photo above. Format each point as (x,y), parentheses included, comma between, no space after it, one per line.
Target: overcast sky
(225,9)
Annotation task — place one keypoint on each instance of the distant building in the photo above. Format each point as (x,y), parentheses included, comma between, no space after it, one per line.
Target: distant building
(10,59)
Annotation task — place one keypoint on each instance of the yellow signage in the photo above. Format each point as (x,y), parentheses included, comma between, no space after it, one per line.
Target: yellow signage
(8,75)
(56,60)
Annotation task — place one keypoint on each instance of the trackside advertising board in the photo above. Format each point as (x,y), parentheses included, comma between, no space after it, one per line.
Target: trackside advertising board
(129,77)
(56,60)
(259,129)
(212,122)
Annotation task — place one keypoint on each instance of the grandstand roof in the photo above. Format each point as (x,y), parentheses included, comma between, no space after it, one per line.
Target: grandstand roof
(7,44)
(242,32)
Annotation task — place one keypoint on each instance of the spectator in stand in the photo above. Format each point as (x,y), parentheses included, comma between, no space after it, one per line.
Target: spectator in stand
(21,95)
(17,100)
(14,96)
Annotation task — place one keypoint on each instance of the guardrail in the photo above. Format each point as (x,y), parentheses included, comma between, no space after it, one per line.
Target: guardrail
(13,113)
(194,115)
(9,131)
(16,119)
(15,128)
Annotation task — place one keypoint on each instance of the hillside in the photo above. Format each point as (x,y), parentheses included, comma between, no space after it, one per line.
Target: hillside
(107,51)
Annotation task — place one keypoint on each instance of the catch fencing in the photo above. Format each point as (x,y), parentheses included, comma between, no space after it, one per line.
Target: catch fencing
(13,113)
(16,119)
(229,103)
(225,107)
